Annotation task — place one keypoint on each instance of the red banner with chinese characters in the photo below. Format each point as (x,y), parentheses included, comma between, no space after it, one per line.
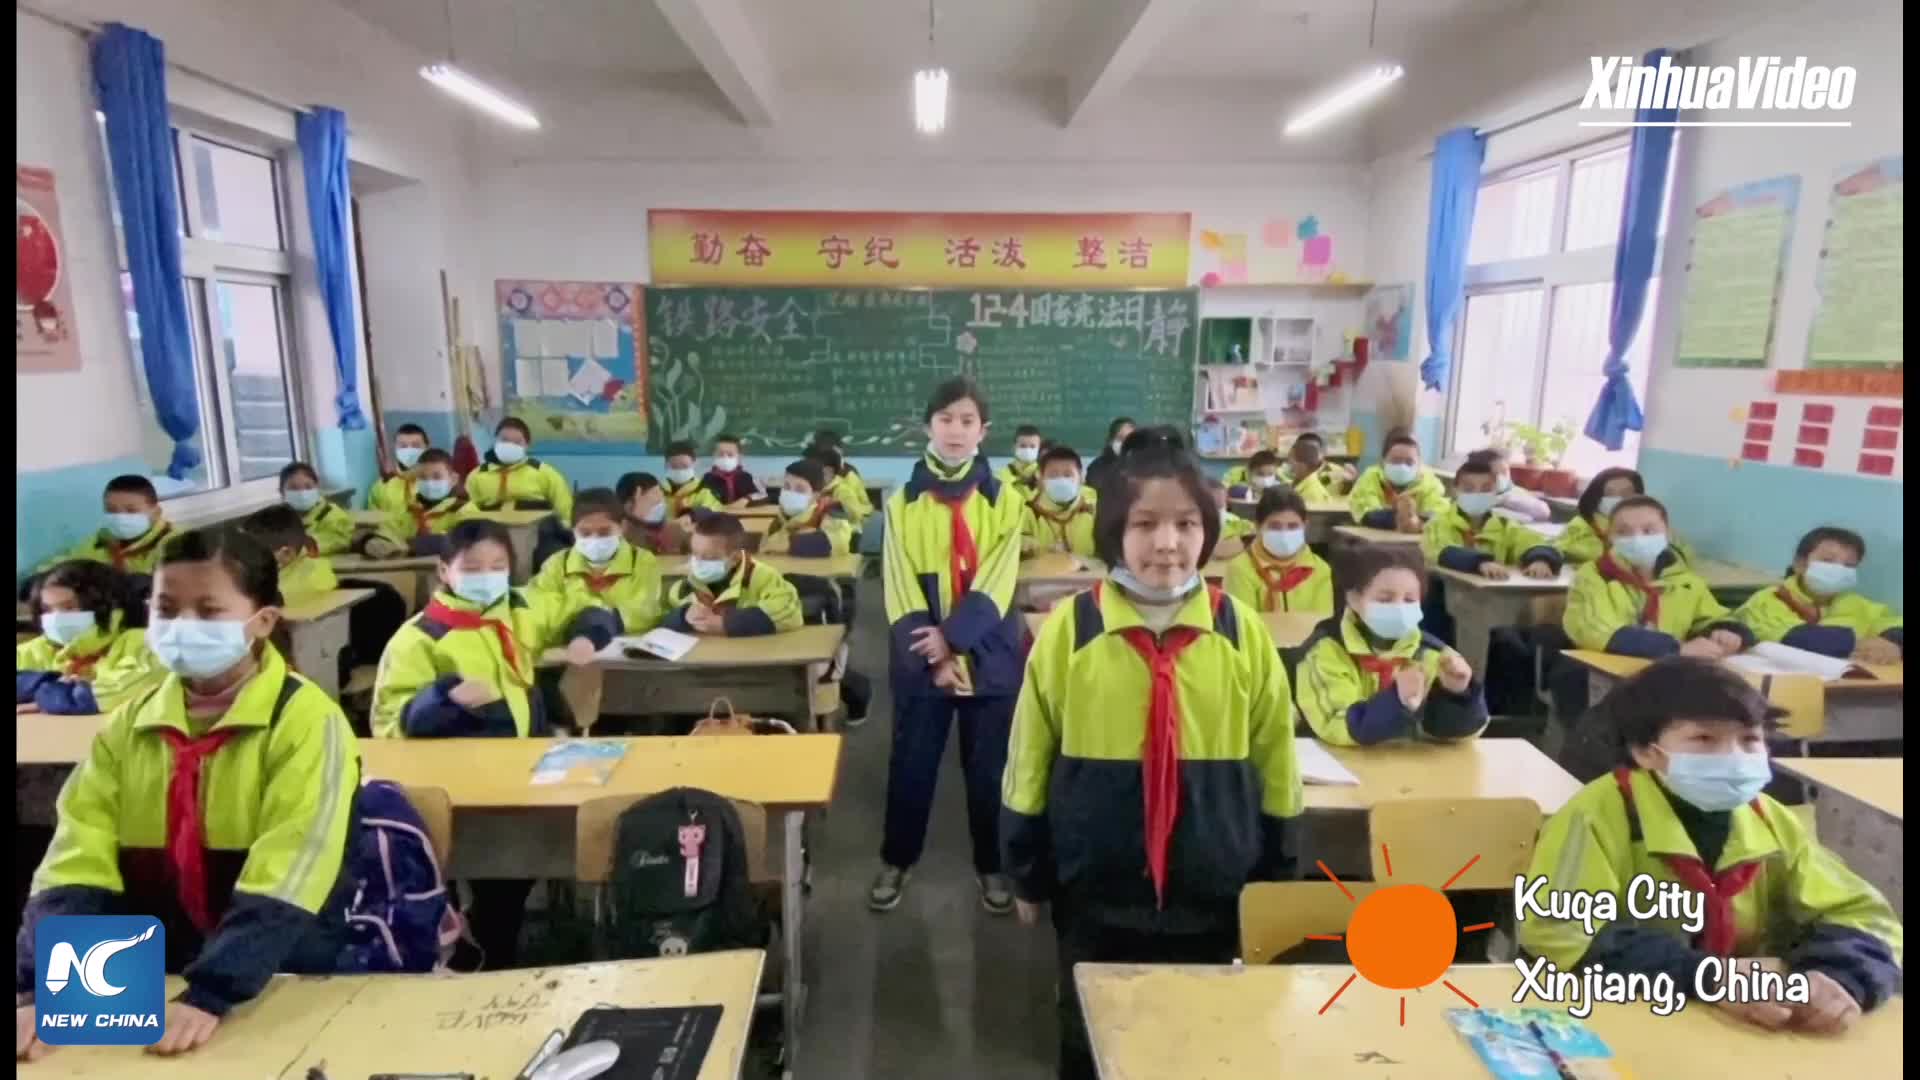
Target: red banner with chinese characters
(1081,251)
(1840,382)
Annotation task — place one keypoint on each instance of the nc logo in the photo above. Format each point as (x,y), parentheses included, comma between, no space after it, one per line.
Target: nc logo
(93,966)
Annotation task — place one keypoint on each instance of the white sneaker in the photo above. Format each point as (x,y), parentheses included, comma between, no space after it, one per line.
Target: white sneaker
(889,885)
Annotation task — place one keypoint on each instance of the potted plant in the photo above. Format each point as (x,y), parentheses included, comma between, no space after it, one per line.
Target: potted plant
(1544,449)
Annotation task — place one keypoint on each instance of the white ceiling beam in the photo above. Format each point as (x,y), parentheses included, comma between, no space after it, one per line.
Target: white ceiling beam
(721,36)
(1118,45)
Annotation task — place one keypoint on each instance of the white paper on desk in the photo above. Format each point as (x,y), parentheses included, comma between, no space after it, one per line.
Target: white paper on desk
(606,339)
(1319,767)
(663,643)
(1773,658)
(589,382)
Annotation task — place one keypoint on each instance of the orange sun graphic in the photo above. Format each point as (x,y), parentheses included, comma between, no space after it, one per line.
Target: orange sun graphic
(1401,937)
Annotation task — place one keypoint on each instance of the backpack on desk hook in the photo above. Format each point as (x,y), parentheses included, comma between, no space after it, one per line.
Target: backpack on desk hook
(679,880)
(402,917)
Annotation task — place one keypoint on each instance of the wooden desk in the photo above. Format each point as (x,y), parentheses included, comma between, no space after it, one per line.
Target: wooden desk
(1479,604)
(368,519)
(523,528)
(1470,769)
(317,631)
(414,577)
(489,1024)
(1857,806)
(1856,710)
(1731,582)
(771,675)
(1360,534)
(1288,628)
(844,568)
(1227,1023)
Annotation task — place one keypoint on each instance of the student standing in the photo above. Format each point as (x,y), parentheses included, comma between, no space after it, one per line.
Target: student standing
(1117,433)
(951,558)
(1151,773)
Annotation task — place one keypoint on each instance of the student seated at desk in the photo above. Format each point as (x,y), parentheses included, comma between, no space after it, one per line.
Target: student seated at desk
(644,520)
(1585,537)
(844,485)
(219,800)
(684,489)
(829,439)
(1236,532)
(1521,504)
(421,526)
(1150,773)
(602,569)
(1399,493)
(510,480)
(1023,471)
(1246,483)
(1684,807)
(329,527)
(394,492)
(1370,675)
(728,593)
(303,574)
(1816,608)
(1059,515)
(811,524)
(1640,598)
(1307,462)
(1469,537)
(133,529)
(733,485)
(1117,434)
(91,653)
(1279,572)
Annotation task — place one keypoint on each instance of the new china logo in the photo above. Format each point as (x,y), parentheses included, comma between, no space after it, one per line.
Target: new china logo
(1756,83)
(99,980)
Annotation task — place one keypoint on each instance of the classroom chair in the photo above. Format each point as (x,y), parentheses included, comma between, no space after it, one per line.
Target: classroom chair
(435,808)
(596,830)
(1278,916)
(1474,847)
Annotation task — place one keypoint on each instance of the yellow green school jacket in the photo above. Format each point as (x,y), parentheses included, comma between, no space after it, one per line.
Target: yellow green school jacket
(1804,905)
(1235,527)
(821,532)
(431,654)
(918,568)
(306,577)
(329,527)
(1329,478)
(1303,583)
(1348,695)
(688,497)
(393,494)
(1834,625)
(1611,615)
(1073,820)
(628,585)
(93,674)
(851,493)
(1020,474)
(1583,541)
(1237,476)
(421,519)
(276,802)
(755,599)
(137,556)
(1451,539)
(1047,526)
(1372,494)
(1314,488)
(528,485)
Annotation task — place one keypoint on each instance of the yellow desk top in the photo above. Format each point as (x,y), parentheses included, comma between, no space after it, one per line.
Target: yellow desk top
(1726,575)
(743,513)
(319,607)
(807,645)
(352,564)
(1470,769)
(1879,782)
(1219,1023)
(1376,536)
(372,518)
(1318,507)
(488,1024)
(834,566)
(41,739)
(1516,582)
(1288,628)
(772,770)
(1886,677)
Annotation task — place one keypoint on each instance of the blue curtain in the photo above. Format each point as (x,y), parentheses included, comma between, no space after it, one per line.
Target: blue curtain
(1457,157)
(1617,413)
(130,79)
(322,133)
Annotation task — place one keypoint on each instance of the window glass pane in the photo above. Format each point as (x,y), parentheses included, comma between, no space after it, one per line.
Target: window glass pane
(156,444)
(1513,218)
(1576,358)
(113,200)
(1598,192)
(247,338)
(239,203)
(1499,352)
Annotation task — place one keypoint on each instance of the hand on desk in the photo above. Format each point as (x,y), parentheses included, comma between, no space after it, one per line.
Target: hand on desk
(1455,673)
(1494,571)
(1411,684)
(1704,647)
(580,652)
(1876,650)
(187,1028)
(1829,1010)
(1728,641)
(24,708)
(1406,514)
(705,620)
(473,694)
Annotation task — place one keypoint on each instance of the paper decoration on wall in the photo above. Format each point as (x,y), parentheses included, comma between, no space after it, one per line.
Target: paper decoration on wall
(1289,250)
(1859,321)
(1222,258)
(1739,248)
(1843,436)
(1308,228)
(1389,315)
(572,361)
(43,337)
(1277,233)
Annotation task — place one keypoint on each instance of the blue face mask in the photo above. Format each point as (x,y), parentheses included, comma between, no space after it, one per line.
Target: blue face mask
(597,549)
(707,571)
(1476,503)
(1607,503)
(680,475)
(1717,781)
(483,588)
(1391,621)
(656,513)
(128,526)
(409,456)
(1401,475)
(435,490)
(1063,489)
(509,453)
(1146,593)
(795,503)
(1830,578)
(199,648)
(302,499)
(1642,550)
(66,627)
(1283,543)
(1026,455)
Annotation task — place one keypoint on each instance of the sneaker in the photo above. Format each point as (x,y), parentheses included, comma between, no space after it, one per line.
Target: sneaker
(888,887)
(853,719)
(996,894)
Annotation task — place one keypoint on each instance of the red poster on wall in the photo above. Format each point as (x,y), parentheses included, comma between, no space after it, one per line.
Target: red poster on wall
(42,298)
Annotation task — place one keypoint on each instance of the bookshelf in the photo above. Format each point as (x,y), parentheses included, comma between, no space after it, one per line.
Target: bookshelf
(1260,348)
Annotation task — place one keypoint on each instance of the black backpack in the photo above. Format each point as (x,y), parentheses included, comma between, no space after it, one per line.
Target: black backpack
(679,880)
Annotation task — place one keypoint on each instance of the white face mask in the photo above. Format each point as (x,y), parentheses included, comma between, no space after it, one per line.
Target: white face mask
(726,462)
(795,503)
(597,549)
(681,474)
(707,571)
(509,453)
(1026,455)
(1062,489)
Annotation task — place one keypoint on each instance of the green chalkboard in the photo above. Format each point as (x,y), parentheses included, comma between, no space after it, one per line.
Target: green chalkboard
(774,365)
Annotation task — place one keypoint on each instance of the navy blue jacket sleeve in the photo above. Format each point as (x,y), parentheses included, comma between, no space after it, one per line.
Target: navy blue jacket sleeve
(1379,718)
(676,619)
(748,622)
(1826,640)
(1447,715)
(973,618)
(1378,519)
(1544,554)
(65,900)
(1647,951)
(254,937)
(1026,856)
(66,698)
(433,714)
(1279,849)
(427,545)
(27,683)
(1894,635)
(1639,641)
(812,544)
(1465,560)
(1861,963)
(597,625)
(1737,629)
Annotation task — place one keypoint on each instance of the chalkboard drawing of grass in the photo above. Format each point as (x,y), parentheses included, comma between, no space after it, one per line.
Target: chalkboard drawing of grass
(678,409)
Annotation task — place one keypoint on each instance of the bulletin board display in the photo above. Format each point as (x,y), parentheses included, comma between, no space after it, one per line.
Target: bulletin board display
(574,360)
(1861,322)
(1739,249)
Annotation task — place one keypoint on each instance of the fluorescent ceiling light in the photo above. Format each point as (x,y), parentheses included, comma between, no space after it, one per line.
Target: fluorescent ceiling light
(930,100)
(479,95)
(1370,85)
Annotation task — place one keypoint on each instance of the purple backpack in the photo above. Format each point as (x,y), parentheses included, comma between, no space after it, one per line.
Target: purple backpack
(402,917)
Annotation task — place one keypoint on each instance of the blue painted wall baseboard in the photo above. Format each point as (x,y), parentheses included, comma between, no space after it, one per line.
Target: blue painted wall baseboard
(55,509)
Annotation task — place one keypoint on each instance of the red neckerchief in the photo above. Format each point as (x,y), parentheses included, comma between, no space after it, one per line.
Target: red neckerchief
(1383,668)
(677,501)
(1809,613)
(1717,937)
(120,553)
(423,515)
(964,557)
(1613,570)
(1279,576)
(727,480)
(598,583)
(80,665)
(473,620)
(1062,520)
(186,831)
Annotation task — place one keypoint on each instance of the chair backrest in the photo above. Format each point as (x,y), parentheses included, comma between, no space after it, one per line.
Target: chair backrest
(582,688)
(1275,916)
(1429,841)
(435,808)
(596,826)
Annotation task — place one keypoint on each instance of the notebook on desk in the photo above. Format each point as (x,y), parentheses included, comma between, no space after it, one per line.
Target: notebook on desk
(655,1044)
(1773,658)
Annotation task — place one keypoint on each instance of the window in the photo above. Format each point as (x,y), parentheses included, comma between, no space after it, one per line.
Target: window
(1533,331)
(238,280)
